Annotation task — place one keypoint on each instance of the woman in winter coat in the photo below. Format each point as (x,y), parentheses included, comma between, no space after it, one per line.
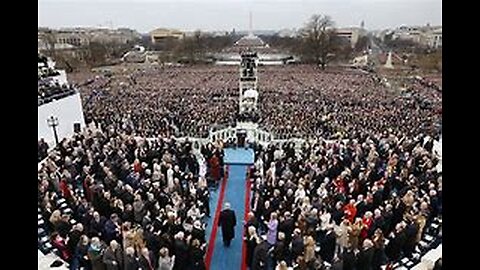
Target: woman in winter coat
(342,235)
(309,250)
(59,243)
(354,233)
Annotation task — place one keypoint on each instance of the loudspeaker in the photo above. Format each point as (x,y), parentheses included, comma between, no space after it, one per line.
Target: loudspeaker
(76,127)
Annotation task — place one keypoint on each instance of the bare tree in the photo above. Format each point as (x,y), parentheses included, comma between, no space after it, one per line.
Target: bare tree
(50,40)
(317,37)
(362,44)
(97,54)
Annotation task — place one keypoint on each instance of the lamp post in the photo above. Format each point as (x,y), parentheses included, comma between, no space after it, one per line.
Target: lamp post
(53,123)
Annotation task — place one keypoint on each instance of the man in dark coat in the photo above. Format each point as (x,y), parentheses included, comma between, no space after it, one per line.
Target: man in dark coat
(280,249)
(260,255)
(251,221)
(349,259)
(327,246)
(197,255)
(228,222)
(365,256)
(112,228)
(298,245)
(131,262)
(251,243)
(97,225)
(287,225)
(112,257)
(396,245)
(74,237)
(63,227)
(181,253)
(410,237)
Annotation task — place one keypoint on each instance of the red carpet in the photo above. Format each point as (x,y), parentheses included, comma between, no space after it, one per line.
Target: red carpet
(211,242)
(247,209)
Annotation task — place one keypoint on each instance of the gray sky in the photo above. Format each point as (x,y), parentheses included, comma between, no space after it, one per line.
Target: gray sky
(146,15)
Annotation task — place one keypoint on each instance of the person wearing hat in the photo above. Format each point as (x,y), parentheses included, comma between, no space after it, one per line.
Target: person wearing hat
(228,222)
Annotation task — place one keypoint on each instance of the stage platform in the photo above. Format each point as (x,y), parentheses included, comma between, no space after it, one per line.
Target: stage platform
(239,156)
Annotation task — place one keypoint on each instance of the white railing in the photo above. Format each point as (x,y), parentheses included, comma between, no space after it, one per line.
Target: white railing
(254,134)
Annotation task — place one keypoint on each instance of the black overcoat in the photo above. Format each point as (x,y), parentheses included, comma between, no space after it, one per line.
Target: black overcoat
(227,221)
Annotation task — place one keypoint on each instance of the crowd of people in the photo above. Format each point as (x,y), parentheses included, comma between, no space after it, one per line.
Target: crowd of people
(294,101)
(49,88)
(163,101)
(358,204)
(112,202)
(433,82)
(47,72)
(300,101)
(50,91)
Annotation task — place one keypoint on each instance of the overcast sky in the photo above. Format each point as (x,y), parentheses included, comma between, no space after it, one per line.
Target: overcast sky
(146,15)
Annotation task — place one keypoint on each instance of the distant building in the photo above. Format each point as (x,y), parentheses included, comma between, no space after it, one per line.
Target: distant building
(352,34)
(284,33)
(161,34)
(75,38)
(428,36)
(71,42)
(411,33)
(82,36)
(434,38)
(250,41)
(61,45)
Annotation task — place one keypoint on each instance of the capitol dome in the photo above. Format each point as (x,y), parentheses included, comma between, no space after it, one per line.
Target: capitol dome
(250,40)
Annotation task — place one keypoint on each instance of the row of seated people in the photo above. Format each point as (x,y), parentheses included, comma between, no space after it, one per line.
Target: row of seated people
(48,92)
(46,72)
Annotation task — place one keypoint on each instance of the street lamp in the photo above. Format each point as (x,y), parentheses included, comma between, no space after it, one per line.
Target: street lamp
(53,123)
